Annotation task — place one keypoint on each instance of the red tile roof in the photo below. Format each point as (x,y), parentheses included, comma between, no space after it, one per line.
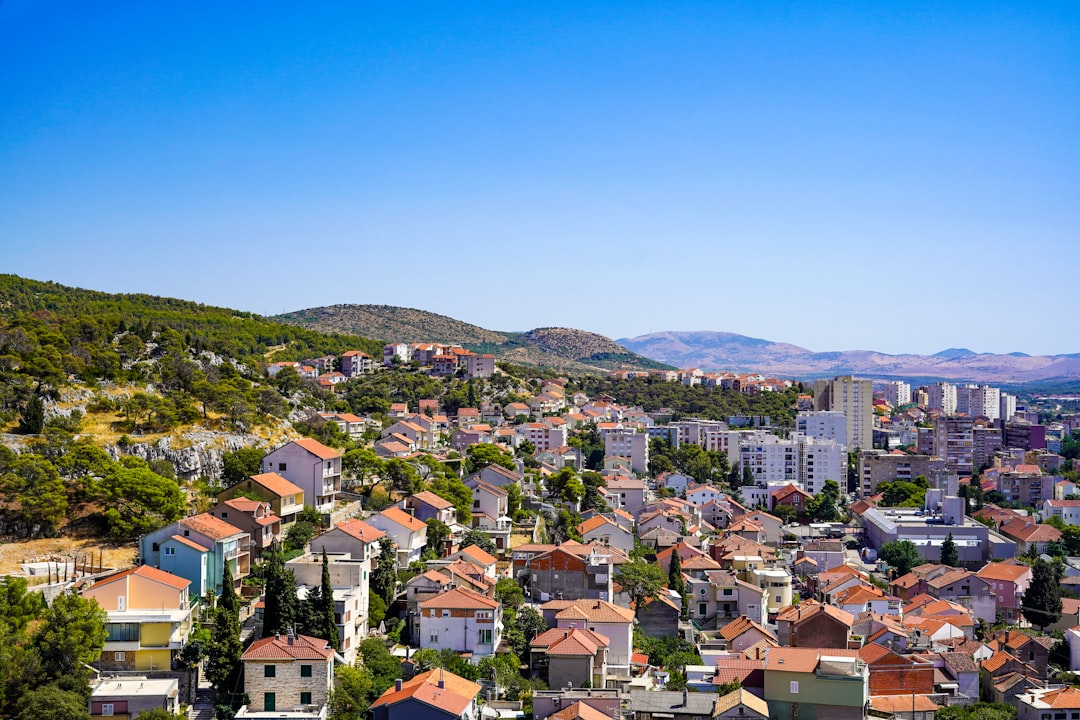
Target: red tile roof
(362,531)
(279,647)
(276,484)
(438,688)
(210,526)
(317,449)
(459,599)
(148,572)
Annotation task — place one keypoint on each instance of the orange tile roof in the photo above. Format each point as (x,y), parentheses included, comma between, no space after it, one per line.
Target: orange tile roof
(190,543)
(278,647)
(276,484)
(579,711)
(429,498)
(210,526)
(996,661)
(317,449)
(592,610)
(459,599)
(148,572)
(454,696)
(403,518)
(362,531)
(1067,697)
(740,625)
(478,554)
(577,641)
(596,521)
(790,659)
(903,703)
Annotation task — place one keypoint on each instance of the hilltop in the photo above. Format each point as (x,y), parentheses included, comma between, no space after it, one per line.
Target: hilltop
(563,349)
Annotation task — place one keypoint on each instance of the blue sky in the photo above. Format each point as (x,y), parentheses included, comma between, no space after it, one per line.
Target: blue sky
(889,176)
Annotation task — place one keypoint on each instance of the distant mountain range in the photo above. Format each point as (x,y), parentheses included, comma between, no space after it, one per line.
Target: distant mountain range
(561,349)
(715,351)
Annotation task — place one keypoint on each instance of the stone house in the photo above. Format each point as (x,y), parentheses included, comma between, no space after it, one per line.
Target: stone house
(288,671)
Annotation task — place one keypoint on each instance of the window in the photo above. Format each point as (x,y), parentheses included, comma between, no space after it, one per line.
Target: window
(269,670)
(446,613)
(794,689)
(305,699)
(269,702)
(170,551)
(433,638)
(485,636)
(305,671)
(702,609)
(727,591)
(107,708)
(154,547)
(281,467)
(119,656)
(122,632)
(224,516)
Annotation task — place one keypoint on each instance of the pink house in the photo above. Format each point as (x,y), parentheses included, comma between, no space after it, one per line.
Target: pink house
(1010,581)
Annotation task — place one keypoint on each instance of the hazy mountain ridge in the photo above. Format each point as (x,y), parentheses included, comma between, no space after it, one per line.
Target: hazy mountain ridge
(565,349)
(729,351)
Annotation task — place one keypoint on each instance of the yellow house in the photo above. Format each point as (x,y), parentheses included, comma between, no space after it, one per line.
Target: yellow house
(286,499)
(149,618)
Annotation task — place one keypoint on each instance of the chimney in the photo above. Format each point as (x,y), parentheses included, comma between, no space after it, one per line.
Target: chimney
(397,684)
(442,683)
(684,699)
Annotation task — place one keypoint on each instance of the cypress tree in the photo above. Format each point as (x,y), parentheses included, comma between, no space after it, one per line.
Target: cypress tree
(280,612)
(675,578)
(326,605)
(949,555)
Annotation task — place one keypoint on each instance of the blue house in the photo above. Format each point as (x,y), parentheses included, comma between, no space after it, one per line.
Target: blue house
(196,549)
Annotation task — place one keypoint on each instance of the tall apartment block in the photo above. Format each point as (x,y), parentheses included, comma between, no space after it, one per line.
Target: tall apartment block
(854,398)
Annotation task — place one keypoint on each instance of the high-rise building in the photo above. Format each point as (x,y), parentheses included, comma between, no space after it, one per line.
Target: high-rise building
(953,443)
(897,393)
(942,396)
(978,401)
(1006,407)
(854,398)
(823,425)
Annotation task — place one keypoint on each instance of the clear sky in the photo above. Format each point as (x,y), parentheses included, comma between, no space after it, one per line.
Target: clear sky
(848,175)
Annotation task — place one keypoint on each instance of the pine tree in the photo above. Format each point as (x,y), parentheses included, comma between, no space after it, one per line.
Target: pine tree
(1042,601)
(949,555)
(229,600)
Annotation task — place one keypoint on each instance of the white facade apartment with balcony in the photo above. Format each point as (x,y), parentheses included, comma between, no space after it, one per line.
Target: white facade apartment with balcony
(823,425)
(897,392)
(628,444)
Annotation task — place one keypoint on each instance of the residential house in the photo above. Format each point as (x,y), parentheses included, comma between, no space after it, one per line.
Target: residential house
(196,548)
(489,500)
(1067,510)
(815,683)
(567,574)
(570,657)
(349,580)
(772,526)
(477,556)
(660,618)
(437,694)
(721,596)
(419,437)
(149,618)
(495,475)
(311,466)
(904,707)
(742,633)
(1044,703)
(461,620)
(355,362)
(288,671)
(740,704)
(671,704)
(408,533)
(427,505)
(256,518)
(894,674)
(286,499)
(1033,651)
(129,696)
(1009,581)
(812,624)
(791,495)
(967,589)
(1027,534)
(627,493)
(612,621)
(603,530)
(352,537)
(828,553)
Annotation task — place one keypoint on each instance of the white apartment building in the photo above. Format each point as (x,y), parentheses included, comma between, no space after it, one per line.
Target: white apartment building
(1006,407)
(942,396)
(800,460)
(627,444)
(854,398)
(822,425)
(978,401)
(896,392)
(821,460)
